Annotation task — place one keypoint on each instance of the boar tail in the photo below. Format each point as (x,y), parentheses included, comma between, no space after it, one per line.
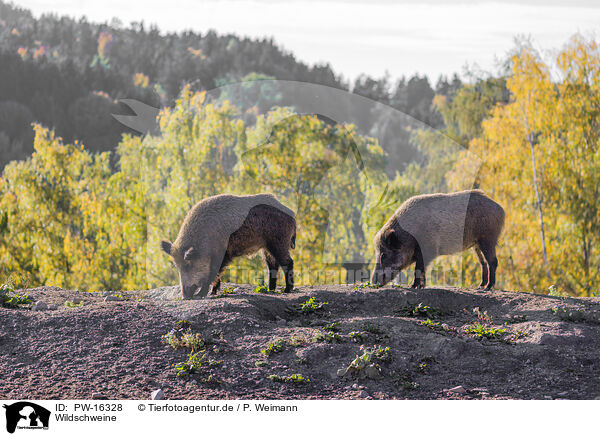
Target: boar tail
(293,243)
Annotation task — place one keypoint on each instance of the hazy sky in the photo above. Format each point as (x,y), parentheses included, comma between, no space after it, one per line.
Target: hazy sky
(355,36)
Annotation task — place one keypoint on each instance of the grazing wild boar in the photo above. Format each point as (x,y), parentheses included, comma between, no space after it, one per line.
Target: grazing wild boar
(221,228)
(426,226)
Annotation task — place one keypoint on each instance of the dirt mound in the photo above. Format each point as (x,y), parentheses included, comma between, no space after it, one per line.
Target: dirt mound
(347,342)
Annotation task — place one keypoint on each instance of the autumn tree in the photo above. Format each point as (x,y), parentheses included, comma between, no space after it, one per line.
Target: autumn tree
(542,164)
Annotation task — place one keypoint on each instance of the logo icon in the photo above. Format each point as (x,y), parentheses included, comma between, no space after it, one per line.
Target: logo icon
(26,415)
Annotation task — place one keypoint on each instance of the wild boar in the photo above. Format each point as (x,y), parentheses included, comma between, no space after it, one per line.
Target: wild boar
(220,228)
(426,226)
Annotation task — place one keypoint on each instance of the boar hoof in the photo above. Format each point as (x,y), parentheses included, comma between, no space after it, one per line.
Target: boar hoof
(417,284)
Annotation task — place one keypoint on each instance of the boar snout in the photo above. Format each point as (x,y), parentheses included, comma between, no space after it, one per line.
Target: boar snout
(382,276)
(376,274)
(187,292)
(195,291)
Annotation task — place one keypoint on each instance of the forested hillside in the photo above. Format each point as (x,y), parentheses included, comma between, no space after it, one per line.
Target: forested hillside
(69,74)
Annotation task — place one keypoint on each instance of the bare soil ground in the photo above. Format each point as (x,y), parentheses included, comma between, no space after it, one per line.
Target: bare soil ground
(114,348)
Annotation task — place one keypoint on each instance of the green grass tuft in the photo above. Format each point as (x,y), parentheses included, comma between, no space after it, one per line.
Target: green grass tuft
(293,378)
(273,347)
(480,331)
(182,337)
(312,305)
(265,290)
(365,285)
(327,337)
(419,311)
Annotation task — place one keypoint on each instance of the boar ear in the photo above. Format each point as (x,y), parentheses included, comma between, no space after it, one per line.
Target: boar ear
(190,254)
(391,239)
(166,246)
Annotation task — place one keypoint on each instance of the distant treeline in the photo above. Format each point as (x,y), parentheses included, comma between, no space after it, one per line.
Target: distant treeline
(68,75)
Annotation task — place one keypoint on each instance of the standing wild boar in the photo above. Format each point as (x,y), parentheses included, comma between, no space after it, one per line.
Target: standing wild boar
(221,228)
(426,226)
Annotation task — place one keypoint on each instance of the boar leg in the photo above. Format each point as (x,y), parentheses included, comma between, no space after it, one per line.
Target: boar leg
(484,267)
(489,252)
(419,281)
(217,283)
(273,267)
(282,256)
(288,270)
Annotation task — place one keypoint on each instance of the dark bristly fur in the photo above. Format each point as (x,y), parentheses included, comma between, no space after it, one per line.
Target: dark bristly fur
(274,233)
(426,226)
(218,229)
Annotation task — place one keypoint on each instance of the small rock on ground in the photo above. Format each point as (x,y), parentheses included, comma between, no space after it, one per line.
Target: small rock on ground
(157,395)
(39,305)
(458,390)
(112,298)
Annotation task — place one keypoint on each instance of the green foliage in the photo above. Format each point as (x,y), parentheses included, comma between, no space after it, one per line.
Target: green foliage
(9,298)
(297,341)
(265,290)
(437,326)
(367,363)
(228,291)
(419,310)
(273,347)
(410,385)
(480,331)
(192,340)
(74,305)
(71,222)
(332,327)
(356,336)
(182,337)
(293,378)
(473,103)
(193,364)
(431,324)
(312,305)
(365,285)
(327,337)
(183,325)
(556,291)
